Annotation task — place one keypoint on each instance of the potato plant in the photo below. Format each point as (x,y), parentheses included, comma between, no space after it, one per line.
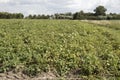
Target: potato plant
(62,47)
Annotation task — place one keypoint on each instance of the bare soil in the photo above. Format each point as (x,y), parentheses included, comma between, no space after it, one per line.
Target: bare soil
(21,76)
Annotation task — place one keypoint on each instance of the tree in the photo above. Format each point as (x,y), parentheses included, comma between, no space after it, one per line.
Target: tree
(39,16)
(68,14)
(30,16)
(34,16)
(100,10)
(79,15)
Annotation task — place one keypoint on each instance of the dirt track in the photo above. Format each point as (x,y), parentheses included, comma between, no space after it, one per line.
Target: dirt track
(20,76)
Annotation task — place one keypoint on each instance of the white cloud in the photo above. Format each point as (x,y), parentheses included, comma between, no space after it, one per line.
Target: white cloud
(4,1)
(53,6)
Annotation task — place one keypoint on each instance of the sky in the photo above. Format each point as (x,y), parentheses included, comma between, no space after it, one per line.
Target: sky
(56,6)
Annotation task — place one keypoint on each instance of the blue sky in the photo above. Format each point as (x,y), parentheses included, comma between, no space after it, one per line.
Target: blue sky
(56,6)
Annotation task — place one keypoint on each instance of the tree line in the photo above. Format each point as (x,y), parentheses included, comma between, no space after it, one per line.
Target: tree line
(6,15)
(99,14)
(38,16)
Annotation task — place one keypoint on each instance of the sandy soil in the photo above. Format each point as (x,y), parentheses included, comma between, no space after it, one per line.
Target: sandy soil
(100,22)
(21,76)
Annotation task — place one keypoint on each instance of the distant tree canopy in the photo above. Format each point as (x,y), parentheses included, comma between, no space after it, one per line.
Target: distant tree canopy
(38,16)
(6,15)
(100,14)
(79,15)
(100,10)
(67,15)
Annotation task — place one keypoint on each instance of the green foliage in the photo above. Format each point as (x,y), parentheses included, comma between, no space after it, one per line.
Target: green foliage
(79,15)
(6,15)
(38,16)
(62,47)
(67,15)
(100,10)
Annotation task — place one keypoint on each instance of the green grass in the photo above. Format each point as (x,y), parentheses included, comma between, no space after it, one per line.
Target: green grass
(62,47)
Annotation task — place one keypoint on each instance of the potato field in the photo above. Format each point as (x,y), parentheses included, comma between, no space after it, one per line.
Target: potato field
(88,50)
